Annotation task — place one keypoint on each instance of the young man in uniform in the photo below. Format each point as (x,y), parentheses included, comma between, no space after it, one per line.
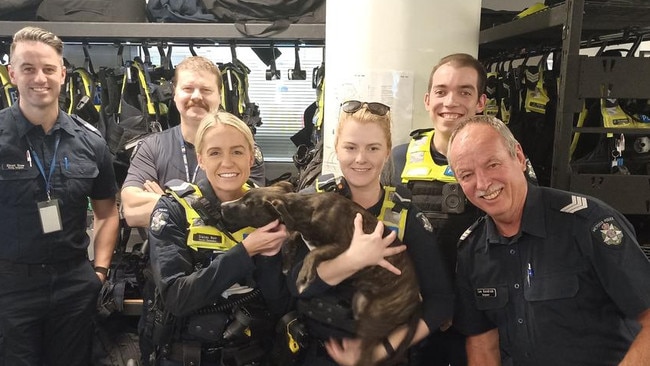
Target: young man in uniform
(548,277)
(50,165)
(170,154)
(456,89)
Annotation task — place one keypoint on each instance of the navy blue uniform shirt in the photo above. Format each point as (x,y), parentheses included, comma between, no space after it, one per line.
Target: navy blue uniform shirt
(83,168)
(564,291)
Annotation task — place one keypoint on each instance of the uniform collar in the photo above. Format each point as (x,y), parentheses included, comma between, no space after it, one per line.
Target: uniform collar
(206,189)
(532,220)
(376,208)
(24,126)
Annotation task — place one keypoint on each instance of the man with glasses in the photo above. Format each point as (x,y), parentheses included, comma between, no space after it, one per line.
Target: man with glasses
(456,89)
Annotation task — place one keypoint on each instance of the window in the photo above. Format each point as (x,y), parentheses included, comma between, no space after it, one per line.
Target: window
(282,102)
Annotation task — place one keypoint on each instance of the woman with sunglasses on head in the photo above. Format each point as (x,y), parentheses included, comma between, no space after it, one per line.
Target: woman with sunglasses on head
(363,146)
(222,284)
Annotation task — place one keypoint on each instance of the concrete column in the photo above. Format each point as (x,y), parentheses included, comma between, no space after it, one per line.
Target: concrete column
(383,50)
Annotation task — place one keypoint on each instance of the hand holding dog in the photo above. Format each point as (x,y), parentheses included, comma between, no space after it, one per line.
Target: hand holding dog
(372,249)
(266,240)
(345,352)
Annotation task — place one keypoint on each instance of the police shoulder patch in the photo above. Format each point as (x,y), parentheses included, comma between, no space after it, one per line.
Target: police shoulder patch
(608,231)
(159,219)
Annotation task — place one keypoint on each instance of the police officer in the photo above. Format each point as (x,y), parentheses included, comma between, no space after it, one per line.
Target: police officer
(553,277)
(170,154)
(209,277)
(456,89)
(363,142)
(50,165)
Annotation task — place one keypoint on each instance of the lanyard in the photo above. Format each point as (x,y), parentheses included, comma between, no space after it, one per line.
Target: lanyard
(37,160)
(187,167)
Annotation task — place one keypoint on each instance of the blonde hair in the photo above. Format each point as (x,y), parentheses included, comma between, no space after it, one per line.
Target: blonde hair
(364,116)
(36,34)
(199,63)
(222,117)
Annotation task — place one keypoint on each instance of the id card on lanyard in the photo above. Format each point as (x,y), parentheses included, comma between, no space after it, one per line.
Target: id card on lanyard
(49,210)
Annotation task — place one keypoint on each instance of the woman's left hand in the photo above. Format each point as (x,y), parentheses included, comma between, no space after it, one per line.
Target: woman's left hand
(266,240)
(345,352)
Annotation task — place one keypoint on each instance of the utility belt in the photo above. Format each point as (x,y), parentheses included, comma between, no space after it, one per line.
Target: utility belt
(195,354)
(229,327)
(327,317)
(316,320)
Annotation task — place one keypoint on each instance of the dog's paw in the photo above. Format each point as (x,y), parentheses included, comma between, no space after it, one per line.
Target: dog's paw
(305,276)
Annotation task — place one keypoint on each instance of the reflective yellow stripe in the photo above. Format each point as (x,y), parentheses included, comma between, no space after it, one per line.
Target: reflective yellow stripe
(395,221)
(201,236)
(419,162)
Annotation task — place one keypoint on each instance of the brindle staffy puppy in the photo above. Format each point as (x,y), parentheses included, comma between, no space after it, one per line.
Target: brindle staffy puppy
(383,301)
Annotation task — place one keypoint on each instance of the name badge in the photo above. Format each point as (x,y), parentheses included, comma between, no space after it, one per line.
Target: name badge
(486,292)
(50,216)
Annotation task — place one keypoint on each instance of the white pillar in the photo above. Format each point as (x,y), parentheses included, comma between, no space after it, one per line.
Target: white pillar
(383,50)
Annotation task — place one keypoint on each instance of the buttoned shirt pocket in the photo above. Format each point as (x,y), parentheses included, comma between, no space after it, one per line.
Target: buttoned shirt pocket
(491,297)
(18,186)
(79,177)
(552,287)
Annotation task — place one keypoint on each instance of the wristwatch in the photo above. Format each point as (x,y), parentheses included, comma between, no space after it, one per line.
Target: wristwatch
(102,270)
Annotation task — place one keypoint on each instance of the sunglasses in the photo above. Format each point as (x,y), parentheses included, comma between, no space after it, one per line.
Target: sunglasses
(377,108)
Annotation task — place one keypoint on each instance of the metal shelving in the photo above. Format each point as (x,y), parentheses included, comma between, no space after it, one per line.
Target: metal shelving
(568,27)
(208,33)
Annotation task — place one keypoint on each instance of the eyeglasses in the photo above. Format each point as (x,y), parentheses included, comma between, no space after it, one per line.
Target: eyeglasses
(377,108)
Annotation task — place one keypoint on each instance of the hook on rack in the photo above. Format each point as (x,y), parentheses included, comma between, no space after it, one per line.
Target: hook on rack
(88,63)
(272,73)
(297,73)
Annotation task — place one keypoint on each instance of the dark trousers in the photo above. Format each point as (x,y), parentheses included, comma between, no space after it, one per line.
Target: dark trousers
(439,349)
(46,312)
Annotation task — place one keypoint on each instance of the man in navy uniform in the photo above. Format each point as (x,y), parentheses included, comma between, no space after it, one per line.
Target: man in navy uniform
(50,165)
(548,277)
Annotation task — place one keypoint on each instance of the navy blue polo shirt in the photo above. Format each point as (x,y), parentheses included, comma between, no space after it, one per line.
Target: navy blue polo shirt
(83,169)
(564,291)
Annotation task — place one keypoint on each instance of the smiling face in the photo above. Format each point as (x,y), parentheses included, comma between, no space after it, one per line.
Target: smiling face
(491,177)
(195,94)
(227,158)
(37,71)
(362,150)
(453,94)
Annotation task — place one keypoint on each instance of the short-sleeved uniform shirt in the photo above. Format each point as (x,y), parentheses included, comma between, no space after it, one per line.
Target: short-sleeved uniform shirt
(160,158)
(82,169)
(563,291)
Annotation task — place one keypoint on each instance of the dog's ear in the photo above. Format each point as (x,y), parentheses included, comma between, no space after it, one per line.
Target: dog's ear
(284,186)
(281,208)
